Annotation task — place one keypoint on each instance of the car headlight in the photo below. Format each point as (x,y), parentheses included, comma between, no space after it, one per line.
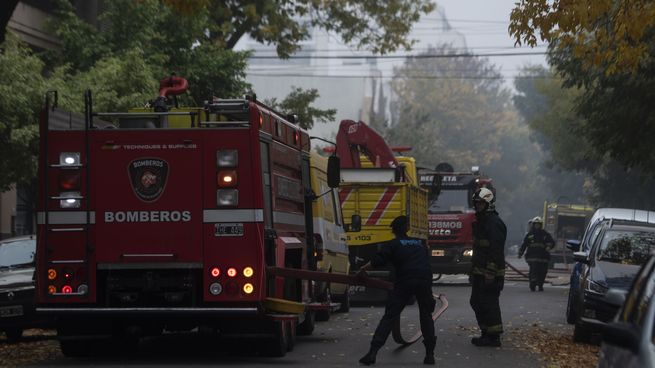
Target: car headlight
(468,253)
(595,287)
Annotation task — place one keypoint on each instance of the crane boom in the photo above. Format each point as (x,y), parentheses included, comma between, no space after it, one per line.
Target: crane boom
(355,138)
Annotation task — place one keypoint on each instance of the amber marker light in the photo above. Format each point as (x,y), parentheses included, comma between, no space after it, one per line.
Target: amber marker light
(248,288)
(52,274)
(227,178)
(232,272)
(248,272)
(52,289)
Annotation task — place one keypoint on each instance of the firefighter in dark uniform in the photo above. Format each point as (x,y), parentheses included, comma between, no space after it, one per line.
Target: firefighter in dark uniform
(410,259)
(536,246)
(488,268)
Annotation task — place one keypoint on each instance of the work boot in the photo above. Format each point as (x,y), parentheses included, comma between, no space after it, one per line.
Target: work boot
(541,288)
(487,340)
(476,340)
(429,353)
(369,358)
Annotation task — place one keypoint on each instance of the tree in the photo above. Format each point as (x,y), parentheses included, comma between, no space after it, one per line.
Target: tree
(612,35)
(574,166)
(380,25)
(456,110)
(299,102)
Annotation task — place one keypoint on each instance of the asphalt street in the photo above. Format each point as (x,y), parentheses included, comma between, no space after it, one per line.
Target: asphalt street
(341,341)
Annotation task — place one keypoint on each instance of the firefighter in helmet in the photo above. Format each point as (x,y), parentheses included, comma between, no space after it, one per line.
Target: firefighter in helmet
(536,247)
(410,259)
(487,275)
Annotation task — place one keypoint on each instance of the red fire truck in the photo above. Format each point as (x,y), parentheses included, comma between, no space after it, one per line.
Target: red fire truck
(450,216)
(167,218)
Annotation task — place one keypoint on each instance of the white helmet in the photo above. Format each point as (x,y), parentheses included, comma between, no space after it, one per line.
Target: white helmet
(484,194)
(537,220)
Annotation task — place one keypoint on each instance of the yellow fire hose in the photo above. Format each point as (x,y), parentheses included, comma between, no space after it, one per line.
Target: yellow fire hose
(358,280)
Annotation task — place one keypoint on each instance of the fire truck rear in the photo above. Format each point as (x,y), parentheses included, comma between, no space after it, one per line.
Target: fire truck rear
(166,219)
(450,216)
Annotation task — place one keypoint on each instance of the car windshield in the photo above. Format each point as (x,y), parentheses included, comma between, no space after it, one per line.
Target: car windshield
(451,201)
(17,253)
(630,247)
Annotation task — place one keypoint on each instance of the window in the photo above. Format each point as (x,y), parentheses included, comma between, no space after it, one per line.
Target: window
(17,253)
(629,246)
(630,311)
(450,201)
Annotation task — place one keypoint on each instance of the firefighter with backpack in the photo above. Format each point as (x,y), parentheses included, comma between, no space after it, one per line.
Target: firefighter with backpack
(536,247)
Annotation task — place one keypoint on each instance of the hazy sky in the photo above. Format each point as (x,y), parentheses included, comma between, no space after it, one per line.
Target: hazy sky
(484,24)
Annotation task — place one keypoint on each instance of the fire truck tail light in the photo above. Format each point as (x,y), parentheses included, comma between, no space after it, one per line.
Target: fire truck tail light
(248,272)
(215,272)
(232,272)
(83,289)
(52,274)
(69,159)
(227,158)
(227,178)
(227,197)
(67,289)
(52,289)
(69,180)
(215,288)
(248,288)
(71,200)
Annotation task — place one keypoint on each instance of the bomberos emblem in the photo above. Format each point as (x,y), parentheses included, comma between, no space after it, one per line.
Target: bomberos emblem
(148,177)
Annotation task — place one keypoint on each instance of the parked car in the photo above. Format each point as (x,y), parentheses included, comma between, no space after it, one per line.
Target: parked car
(628,340)
(619,250)
(600,217)
(17,310)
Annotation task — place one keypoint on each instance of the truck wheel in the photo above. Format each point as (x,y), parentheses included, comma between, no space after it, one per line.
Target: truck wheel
(307,326)
(291,340)
(277,345)
(345,302)
(324,314)
(13,334)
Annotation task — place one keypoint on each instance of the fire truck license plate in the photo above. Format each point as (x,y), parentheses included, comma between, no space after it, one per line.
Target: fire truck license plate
(11,311)
(229,229)
(438,253)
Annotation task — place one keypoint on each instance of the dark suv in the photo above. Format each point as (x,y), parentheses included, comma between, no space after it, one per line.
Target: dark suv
(17,287)
(613,260)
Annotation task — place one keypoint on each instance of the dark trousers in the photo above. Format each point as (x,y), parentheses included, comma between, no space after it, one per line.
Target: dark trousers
(485,301)
(538,272)
(400,295)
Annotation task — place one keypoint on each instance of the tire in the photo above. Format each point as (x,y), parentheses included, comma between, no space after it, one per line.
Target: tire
(307,326)
(345,302)
(13,334)
(581,334)
(324,297)
(291,340)
(277,345)
(571,314)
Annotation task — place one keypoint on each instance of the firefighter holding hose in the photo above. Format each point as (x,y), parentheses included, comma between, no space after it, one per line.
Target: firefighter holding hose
(410,258)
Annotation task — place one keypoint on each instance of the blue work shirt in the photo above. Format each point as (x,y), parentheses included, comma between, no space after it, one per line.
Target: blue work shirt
(409,257)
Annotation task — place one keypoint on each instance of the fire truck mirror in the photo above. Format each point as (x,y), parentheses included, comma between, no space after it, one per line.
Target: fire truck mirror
(334,171)
(356,223)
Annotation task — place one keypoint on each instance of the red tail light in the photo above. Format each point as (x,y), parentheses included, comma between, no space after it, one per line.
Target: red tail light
(67,289)
(215,272)
(69,180)
(232,272)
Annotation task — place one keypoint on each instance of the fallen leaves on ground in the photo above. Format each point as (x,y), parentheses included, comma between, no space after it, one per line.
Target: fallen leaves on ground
(36,346)
(555,347)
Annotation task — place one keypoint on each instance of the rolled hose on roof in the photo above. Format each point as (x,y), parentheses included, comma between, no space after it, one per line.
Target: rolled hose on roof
(172,85)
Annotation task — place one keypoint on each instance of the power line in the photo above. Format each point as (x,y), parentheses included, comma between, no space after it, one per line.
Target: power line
(420,56)
(392,77)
